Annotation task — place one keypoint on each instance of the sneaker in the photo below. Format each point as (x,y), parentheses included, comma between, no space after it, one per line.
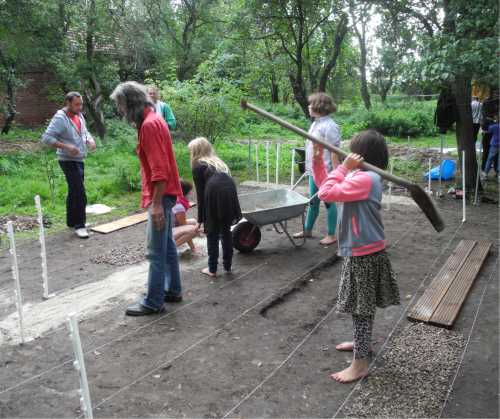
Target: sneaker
(484,176)
(82,233)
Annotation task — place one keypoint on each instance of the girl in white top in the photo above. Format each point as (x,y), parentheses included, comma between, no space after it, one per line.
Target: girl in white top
(321,106)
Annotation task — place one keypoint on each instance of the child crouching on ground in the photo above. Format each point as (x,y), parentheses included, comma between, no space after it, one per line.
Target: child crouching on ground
(367,279)
(185,229)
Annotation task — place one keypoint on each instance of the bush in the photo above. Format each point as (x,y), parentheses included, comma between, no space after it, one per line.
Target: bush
(394,122)
(207,110)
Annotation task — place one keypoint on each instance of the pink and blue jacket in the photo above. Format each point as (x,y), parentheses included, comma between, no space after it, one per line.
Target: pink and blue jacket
(360,229)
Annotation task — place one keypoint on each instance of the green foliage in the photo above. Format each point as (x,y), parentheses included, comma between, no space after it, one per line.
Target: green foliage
(209,109)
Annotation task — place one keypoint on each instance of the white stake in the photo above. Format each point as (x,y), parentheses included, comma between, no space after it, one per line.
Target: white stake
(292,175)
(407,161)
(267,164)
(463,187)
(429,190)
(15,275)
(390,188)
(257,160)
(440,192)
(43,252)
(278,145)
(478,174)
(79,364)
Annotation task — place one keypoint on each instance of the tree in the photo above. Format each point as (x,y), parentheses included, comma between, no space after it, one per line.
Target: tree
(395,43)
(454,50)
(28,39)
(360,12)
(187,24)
(309,32)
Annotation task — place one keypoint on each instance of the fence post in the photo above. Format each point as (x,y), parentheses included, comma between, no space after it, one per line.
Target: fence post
(79,364)
(257,160)
(463,188)
(43,251)
(267,164)
(15,275)
(278,145)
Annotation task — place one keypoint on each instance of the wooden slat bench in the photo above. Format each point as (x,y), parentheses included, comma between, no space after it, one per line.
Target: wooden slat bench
(444,297)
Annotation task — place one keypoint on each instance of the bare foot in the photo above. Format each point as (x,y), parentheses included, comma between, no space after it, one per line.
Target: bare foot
(328,240)
(302,234)
(357,370)
(345,347)
(207,272)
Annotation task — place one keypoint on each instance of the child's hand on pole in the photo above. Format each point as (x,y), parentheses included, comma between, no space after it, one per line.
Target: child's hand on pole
(352,161)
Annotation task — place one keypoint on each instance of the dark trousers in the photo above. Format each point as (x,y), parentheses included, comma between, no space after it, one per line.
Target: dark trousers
(486,150)
(213,237)
(76,201)
(475,128)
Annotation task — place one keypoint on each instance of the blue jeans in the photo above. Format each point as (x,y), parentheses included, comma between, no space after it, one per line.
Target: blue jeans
(164,274)
(491,157)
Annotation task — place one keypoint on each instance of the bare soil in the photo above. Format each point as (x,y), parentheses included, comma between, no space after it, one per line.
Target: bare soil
(258,343)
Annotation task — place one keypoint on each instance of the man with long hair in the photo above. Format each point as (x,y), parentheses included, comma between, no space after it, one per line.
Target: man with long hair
(160,189)
(67,132)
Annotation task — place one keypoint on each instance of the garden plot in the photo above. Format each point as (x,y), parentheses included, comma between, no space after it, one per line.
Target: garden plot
(258,343)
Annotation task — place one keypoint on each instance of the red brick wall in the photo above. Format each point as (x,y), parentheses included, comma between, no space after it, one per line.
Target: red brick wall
(32,104)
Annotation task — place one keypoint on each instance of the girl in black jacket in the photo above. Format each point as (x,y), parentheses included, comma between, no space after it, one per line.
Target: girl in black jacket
(218,205)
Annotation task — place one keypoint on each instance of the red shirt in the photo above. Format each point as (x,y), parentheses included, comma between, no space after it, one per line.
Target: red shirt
(157,158)
(75,118)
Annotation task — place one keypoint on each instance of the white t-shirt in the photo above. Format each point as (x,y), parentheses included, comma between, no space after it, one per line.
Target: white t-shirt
(326,129)
(476,111)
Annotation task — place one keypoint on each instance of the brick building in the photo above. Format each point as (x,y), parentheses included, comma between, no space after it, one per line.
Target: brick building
(33,105)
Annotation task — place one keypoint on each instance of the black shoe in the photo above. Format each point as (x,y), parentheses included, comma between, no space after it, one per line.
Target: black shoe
(172,298)
(138,309)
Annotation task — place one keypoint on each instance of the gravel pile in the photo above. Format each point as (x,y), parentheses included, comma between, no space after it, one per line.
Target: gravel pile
(411,377)
(127,255)
(21,222)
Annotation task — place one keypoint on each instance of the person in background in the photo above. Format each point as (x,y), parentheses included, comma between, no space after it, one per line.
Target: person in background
(161,108)
(476,116)
(320,107)
(185,230)
(367,279)
(67,132)
(486,121)
(493,130)
(218,204)
(160,189)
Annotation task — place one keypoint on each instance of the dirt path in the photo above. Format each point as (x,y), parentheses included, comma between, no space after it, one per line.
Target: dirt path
(258,343)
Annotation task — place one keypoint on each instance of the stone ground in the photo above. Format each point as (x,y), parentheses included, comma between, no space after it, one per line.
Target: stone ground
(259,343)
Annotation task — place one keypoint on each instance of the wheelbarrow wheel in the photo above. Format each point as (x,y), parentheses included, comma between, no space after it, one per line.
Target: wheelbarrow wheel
(246,237)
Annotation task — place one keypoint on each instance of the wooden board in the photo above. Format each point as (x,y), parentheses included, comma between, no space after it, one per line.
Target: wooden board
(449,307)
(121,223)
(426,305)
(443,299)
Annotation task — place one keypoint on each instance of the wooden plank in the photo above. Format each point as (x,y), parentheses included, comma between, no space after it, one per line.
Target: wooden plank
(428,302)
(121,223)
(449,307)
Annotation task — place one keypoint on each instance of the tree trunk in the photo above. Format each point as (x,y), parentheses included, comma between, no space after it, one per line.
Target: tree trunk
(274,89)
(365,94)
(464,130)
(11,100)
(299,92)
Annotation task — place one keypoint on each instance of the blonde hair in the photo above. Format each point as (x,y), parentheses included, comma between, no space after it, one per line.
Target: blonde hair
(201,150)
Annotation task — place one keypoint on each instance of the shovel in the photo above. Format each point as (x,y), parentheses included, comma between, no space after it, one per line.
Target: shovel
(420,197)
